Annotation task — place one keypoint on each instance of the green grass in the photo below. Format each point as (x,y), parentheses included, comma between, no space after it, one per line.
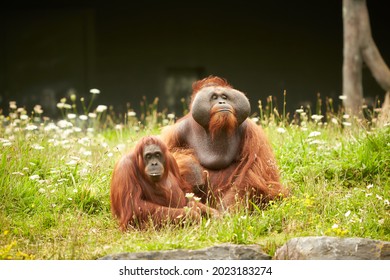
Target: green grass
(54,185)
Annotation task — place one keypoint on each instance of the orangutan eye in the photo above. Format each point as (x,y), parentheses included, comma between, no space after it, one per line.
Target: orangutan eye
(224,96)
(214,96)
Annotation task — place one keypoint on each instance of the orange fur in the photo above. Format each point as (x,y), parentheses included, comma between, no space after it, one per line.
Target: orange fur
(252,175)
(209,81)
(135,199)
(222,122)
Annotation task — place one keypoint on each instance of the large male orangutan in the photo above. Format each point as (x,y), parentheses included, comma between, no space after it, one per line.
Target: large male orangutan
(146,186)
(232,150)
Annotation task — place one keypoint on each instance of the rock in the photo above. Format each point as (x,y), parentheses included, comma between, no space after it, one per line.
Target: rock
(219,252)
(333,248)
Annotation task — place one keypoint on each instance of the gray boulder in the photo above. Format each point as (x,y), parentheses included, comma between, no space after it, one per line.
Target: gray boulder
(219,252)
(333,248)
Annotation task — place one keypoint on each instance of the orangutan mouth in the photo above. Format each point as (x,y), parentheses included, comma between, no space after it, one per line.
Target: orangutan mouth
(225,110)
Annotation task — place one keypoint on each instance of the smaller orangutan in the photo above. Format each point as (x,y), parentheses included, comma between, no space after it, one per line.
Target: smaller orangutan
(146,186)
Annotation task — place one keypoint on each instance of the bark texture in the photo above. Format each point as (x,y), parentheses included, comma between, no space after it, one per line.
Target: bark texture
(359,48)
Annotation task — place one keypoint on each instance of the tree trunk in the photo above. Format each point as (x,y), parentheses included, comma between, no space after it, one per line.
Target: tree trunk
(359,46)
(352,65)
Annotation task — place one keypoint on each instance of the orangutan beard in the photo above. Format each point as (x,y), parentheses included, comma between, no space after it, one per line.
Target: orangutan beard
(222,121)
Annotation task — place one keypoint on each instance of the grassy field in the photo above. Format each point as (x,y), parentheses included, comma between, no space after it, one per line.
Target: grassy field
(55,175)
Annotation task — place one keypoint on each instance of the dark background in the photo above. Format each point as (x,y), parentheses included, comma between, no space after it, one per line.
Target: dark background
(158,48)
